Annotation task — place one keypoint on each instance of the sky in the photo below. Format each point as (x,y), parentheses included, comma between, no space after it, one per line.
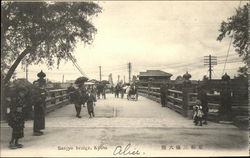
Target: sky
(172,36)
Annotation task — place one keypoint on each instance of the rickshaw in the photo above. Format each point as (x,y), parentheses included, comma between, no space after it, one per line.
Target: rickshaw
(132,93)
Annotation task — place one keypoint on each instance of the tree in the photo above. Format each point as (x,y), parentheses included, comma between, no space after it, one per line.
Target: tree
(237,27)
(41,32)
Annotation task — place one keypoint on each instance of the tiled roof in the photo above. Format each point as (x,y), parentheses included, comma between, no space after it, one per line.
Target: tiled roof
(155,73)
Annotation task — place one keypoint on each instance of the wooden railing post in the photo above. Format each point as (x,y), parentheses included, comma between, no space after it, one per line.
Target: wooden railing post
(148,88)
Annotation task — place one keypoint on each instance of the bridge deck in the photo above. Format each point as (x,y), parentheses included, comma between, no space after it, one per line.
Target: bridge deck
(143,123)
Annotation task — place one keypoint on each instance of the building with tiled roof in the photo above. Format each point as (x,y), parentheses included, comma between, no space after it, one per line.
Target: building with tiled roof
(154,75)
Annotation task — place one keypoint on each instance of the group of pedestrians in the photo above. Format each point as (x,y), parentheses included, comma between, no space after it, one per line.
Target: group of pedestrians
(129,89)
(118,89)
(18,102)
(101,90)
(81,95)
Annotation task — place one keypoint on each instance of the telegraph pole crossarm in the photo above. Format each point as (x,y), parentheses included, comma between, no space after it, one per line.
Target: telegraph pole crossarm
(210,61)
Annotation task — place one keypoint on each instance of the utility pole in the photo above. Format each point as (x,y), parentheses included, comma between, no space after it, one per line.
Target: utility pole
(124,79)
(100,70)
(129,72)
(118,78)
(111,79)
(210,68)
(210,61)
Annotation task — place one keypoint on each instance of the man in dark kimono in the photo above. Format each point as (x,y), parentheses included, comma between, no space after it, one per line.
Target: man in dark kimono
(122,91)
(202,96)
(104,91)
(163,95)
(90,103)
(77,101)
(112,89)
(98,92)
(39,110)
(83,93)
(71,91)
(117,89)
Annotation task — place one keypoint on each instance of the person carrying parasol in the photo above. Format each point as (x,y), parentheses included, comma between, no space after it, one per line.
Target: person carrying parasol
(16,116)
(79,95)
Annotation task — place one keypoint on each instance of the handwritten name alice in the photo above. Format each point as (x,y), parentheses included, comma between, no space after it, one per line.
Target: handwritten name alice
(127,150)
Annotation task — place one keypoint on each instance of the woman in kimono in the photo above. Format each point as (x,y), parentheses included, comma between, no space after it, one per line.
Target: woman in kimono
(16,117)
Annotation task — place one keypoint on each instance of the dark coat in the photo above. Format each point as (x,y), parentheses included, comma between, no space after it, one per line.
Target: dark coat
(90,101)
(39,110)
(163,90)
(83,96)
(71,91)
(78,97)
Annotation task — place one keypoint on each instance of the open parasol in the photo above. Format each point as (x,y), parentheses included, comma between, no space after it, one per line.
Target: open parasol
(89,83)
(93,80)
(19,84)
(105,82)
(81,80)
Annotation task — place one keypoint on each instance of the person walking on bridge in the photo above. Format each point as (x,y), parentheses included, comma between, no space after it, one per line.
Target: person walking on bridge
(77,100)
(90,98)
(163,95)
(202,96)
(71,89)
(104,91)
(117,89)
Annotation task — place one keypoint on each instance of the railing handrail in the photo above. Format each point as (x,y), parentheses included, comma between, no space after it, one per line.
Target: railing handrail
(175,91)
(57,90)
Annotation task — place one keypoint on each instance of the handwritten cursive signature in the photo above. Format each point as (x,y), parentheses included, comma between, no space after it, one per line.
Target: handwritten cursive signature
(119,150)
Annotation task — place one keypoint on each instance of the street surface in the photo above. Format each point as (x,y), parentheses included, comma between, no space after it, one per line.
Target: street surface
(141,128)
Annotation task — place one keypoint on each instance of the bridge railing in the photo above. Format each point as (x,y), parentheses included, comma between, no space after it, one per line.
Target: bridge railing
(182,96)
(182,100)
(213,104)
(174,100)
(177,100)
(56,99)
(152,93)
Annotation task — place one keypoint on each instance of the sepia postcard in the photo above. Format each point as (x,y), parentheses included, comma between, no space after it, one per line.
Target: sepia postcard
(111,78)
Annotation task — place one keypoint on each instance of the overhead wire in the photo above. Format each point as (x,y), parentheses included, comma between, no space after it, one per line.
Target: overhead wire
(227,54)
(229,47)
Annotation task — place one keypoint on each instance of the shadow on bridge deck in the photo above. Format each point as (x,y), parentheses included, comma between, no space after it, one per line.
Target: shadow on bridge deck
(143,123)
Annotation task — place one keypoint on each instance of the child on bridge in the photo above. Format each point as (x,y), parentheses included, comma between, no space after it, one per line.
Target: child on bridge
(198,113)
